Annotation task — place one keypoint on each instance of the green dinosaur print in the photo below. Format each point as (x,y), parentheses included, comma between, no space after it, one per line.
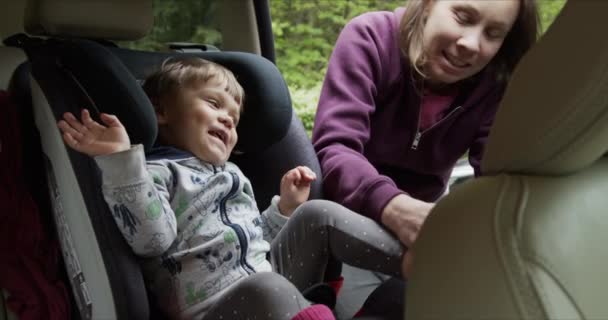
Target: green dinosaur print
(156,178)
(182,205)
(154,209)
(193,296)
(229,236)
(198,226)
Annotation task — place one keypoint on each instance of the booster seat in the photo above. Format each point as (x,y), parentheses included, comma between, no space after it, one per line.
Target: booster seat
(70,72)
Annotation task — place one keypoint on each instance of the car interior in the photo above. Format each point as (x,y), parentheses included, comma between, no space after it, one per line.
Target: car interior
(526,241)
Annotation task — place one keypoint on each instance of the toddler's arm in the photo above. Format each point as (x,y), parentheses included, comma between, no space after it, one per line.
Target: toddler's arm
(138,199)
(90,137)
(138,196)
(295,189)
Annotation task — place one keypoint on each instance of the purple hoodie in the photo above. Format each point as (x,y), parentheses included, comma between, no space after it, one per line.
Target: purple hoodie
(366,128)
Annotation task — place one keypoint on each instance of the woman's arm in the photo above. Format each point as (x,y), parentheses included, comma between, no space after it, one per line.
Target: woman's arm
(479,141)
(343,119)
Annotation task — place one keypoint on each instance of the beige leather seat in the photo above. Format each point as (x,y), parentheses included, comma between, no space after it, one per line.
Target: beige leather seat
(530,240)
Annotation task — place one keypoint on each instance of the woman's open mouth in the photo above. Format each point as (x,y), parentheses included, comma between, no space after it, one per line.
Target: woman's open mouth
(454,62)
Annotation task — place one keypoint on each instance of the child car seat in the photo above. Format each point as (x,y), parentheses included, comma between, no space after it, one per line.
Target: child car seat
(69,72)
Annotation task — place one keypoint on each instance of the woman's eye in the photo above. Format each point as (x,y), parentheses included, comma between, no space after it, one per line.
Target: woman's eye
(463,17)
(495,34)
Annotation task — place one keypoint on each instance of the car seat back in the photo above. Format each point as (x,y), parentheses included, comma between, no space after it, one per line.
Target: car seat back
(527,240)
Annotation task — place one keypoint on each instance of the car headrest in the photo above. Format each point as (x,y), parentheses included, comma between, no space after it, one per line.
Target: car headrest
(267,107)
(95,19)
(553,118)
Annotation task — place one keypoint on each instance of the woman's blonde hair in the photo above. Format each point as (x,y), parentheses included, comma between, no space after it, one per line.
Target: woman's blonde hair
(521,37)
(176,73)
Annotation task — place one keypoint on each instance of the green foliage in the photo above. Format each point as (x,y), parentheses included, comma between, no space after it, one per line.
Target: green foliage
(306,30)
(549,9)
(305,104)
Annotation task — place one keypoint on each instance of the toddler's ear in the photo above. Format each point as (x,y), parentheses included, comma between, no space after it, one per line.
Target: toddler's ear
(161,116)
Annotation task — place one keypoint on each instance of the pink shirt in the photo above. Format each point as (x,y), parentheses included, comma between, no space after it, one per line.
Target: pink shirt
(433,107)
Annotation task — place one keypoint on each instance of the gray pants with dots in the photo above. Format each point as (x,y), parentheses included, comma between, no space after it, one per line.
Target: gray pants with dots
(300,253)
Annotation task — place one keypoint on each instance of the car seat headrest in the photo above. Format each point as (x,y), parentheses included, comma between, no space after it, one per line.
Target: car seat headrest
(267,106)
(112,76)
(95,19)
(553,118)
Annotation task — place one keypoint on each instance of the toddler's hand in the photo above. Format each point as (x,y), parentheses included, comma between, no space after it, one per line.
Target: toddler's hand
(295,189)
(92,138)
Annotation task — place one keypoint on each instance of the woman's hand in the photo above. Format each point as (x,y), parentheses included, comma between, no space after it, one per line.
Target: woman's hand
(92,138)
(295,189)
(407,263)
(404,216)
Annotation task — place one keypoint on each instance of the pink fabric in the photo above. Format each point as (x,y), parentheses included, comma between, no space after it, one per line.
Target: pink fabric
(336,284)
(433,108)
(29,267)
(315,312)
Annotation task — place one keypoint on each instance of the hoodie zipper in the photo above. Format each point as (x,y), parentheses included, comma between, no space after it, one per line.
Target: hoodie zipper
(419,133)
(237,228)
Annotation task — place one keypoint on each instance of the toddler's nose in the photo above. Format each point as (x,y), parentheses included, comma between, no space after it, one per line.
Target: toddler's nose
(227,121)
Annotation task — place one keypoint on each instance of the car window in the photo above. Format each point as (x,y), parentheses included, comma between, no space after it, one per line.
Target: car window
(192,21)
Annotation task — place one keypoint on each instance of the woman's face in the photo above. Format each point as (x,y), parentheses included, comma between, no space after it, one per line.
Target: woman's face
(461,37)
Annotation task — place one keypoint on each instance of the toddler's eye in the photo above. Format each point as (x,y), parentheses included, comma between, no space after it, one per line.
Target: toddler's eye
(213,103)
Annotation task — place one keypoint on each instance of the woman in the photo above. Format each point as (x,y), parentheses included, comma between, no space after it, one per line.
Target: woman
(406,94)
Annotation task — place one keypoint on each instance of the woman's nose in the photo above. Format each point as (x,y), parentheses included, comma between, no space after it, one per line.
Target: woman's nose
(469,44)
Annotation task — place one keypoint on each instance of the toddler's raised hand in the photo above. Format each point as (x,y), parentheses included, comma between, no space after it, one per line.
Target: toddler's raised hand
(92,138)
(295,189)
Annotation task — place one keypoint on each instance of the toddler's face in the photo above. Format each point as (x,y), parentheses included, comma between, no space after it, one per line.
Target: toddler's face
(202,119)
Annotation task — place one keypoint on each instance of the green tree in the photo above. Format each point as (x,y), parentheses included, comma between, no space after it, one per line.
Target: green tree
(549,9)
(306,30)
